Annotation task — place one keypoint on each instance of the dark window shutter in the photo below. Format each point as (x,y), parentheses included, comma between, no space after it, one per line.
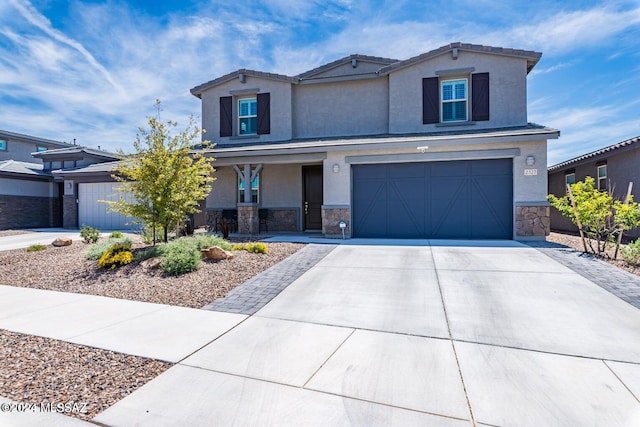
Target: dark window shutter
(264,113)
(430,100)
(226,127)
(480,96)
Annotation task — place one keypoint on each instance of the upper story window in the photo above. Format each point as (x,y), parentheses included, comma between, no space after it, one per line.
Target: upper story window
(454,100)
(569,178)
(252,116)
(3,145)
(602,177)
(247,116)
(40,149)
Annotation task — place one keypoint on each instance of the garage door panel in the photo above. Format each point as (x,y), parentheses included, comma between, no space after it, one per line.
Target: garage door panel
(457,199)
(94,213)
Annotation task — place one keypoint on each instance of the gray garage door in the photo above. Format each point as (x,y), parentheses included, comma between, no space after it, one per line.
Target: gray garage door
(95,214)
(457,199)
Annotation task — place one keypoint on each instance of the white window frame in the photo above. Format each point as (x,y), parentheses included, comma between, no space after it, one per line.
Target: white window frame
(255,189)
(602,180)
(248,116)
(3,144)
(566,180)
(454,100)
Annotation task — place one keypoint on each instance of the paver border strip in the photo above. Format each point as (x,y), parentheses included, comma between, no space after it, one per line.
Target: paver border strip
(620,283)
(255,293)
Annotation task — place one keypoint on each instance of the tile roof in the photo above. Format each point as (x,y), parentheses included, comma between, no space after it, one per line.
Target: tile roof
(23,168)
(604,150)
(346,60)
(5,134)
(531,56)
(96,168)
(197,91)
(76,150)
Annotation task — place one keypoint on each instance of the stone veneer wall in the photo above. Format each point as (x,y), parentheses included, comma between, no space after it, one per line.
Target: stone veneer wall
(248,220)
(70,212)
(282,220)
(331,217)
(533,221)
(28,212)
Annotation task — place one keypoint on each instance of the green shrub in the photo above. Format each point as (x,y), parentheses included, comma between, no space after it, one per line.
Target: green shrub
(208,241)
(98,249)
(631,253)
(150,252)
(89,234)
(253,247)
(34,248)
(116,235)
(118,255)
(181,256)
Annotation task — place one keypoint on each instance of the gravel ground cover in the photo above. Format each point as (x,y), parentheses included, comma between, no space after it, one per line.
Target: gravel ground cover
(4,233)
(37,370)
(575,242)
(87,380)
(66,269)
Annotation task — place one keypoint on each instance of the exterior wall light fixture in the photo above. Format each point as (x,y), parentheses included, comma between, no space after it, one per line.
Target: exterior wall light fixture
(336,168)
(531,160)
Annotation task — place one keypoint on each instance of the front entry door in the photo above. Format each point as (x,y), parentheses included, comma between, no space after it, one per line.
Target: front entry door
(312,207)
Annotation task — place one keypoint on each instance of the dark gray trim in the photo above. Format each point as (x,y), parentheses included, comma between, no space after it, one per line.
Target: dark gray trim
(438,156)
(244,91)
(455,71)
(245,136)
(455,124)
(275,159)
(332,79)
(537,203)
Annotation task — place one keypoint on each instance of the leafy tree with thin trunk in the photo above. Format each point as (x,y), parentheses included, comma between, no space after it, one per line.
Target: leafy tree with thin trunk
(165,177)
(597,214)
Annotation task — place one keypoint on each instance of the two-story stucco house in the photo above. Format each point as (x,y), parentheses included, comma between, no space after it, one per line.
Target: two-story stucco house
(435,146)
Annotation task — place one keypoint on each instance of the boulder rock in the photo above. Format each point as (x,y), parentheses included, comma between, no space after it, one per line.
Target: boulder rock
(62,241)
(216,253)
(151,263)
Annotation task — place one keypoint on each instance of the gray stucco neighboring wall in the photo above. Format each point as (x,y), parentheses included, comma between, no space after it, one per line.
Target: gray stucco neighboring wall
(357,107)
(18,150)
(26,187)
(507,83)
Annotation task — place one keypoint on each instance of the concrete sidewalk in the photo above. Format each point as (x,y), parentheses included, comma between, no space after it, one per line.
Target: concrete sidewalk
(444,333)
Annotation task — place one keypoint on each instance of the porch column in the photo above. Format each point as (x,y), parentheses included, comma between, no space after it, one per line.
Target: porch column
(248,220)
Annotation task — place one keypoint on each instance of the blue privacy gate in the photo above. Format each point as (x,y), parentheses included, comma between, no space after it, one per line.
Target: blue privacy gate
(449,200)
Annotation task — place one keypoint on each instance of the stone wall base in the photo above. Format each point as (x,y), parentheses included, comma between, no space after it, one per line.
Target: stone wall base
(533,221)
(282,220)
(29,212)
(248,220)
(69,212)
(331,218)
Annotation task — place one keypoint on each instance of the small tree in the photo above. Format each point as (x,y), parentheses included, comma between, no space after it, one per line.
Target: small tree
(165,177)
(597,214)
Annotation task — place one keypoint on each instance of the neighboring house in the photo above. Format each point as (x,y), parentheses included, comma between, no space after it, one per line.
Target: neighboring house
(435,146)
(45,183)
(612,168)
(29,197)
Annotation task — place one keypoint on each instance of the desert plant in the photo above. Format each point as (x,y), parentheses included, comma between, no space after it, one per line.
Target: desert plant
(631,253)
(209,240)
(116,235)
(35,248)
(146,253)
(89,234)
(597,214)
(253,247)
(98,249)
(116,256)
(180,256)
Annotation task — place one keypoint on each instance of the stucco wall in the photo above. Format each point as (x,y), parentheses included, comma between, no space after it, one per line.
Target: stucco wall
(507,91)
(281,186)
(224,189)
(343,108)
(280,109)
(31,188)
(19,151)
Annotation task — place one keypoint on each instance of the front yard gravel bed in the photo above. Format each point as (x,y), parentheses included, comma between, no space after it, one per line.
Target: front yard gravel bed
(65,269)
(38,370)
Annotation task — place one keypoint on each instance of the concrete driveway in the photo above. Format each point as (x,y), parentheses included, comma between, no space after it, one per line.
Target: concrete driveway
(441,334)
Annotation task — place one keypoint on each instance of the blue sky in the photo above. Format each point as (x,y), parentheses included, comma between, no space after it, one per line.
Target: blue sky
(91,70)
